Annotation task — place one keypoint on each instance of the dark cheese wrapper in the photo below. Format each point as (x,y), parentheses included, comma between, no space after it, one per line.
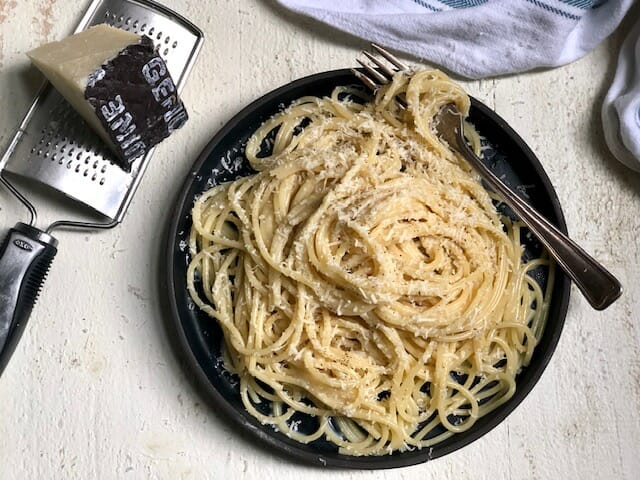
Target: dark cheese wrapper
(136,101)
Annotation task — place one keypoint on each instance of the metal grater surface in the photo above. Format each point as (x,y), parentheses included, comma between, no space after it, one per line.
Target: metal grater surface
(55,147)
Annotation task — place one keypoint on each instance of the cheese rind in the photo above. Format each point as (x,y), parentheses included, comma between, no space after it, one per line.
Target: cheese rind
(119,84)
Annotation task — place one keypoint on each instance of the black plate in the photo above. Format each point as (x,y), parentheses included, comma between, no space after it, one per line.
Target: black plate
(199,338)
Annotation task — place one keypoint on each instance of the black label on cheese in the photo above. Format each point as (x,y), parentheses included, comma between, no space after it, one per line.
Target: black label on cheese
(136,101)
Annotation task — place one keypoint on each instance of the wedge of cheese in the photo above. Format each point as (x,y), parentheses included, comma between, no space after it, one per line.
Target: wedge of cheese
(119,84)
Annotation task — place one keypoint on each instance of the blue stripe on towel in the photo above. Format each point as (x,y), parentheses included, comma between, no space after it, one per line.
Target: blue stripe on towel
(583,4)
(555,10)
(426,5)
(462,3)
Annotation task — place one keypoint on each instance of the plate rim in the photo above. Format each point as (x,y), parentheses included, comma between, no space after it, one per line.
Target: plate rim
(296,450)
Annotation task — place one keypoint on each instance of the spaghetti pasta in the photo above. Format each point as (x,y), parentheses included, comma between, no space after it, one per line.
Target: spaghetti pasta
(363,278)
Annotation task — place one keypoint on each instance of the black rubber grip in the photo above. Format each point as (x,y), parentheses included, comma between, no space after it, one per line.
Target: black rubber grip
(25,258)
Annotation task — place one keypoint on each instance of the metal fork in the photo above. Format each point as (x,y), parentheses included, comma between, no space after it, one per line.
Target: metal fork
(598,285)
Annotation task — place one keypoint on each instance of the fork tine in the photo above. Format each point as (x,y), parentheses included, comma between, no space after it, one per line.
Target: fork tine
(374,78)
(366,80)
(381,79)
(388,56)
(381,65)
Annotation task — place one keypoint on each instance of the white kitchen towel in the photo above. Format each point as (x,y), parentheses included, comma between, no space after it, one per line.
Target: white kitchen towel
(621,108)
(476,38)
(481,38)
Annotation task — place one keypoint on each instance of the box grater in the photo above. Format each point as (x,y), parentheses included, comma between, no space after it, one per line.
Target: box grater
(54,147)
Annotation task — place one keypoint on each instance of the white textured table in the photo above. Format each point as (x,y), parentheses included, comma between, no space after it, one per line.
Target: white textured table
(94,390)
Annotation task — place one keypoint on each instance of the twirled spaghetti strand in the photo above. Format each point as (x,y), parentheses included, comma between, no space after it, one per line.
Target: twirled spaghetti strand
(364,276)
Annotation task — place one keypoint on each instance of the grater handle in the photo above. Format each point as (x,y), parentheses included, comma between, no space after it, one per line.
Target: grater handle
(25,257)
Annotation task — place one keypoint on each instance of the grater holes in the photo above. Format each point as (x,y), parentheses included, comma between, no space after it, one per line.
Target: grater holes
(130,24)
(74,156)
(175,44)
(102,180)
(151,30)
(165,52)
(167,39)
(143,27)
(159,36)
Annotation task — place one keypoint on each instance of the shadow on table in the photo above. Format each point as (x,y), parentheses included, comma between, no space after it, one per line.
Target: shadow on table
(316,28)
(336,36)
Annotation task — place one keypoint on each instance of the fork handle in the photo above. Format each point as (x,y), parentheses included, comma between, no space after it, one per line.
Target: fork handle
(596,283)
